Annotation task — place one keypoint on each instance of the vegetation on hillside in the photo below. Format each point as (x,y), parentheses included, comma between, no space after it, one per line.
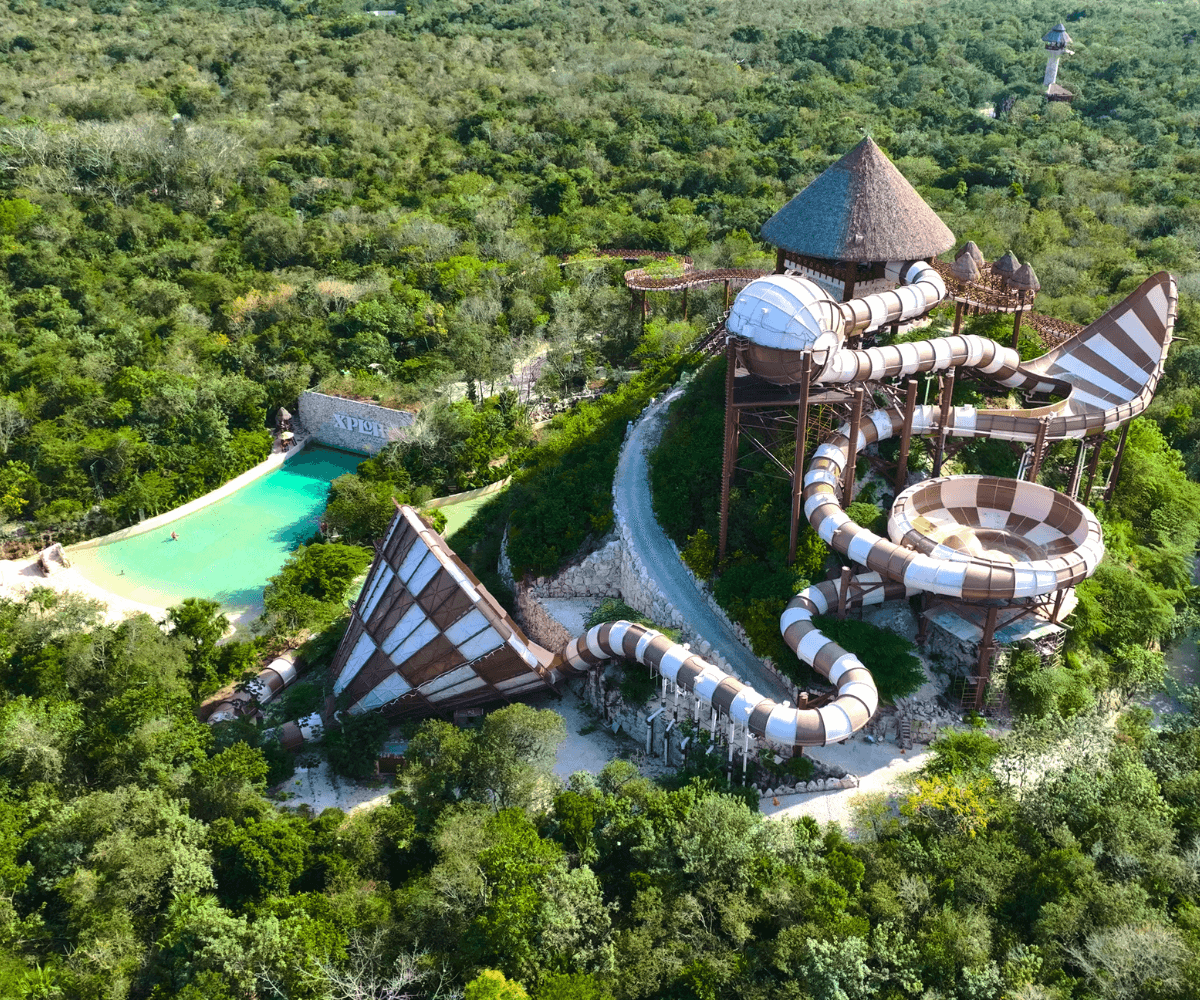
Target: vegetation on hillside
(207,208)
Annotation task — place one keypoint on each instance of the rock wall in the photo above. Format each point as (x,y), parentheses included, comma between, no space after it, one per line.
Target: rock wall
(349,424)
(538,623)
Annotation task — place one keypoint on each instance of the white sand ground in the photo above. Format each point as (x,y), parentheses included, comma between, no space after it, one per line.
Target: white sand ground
(19,576)
(319,788)
(880,767)
(584,753)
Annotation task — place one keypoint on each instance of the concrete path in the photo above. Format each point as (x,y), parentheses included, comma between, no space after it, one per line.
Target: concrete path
(631,499)
(880,767)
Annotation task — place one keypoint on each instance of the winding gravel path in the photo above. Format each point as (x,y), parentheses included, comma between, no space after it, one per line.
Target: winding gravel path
(631,497)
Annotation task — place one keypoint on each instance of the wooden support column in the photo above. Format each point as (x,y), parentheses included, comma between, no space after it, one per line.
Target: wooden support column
(1017,320)
(1039,448)
(946,400)
(958,317)
(1059,597)
(1093,465)
(910,404)
(1077,472)
(852,448)
(843,593)
(987,648)
(780,261)
(1115,471)
(798,461)
(727,294)
(729,459)
(849,276)
(685,304)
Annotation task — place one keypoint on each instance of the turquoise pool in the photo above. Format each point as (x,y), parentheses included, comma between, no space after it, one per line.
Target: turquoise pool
(225,551)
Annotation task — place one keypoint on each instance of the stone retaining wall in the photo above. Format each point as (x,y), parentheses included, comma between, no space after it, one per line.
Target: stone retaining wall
(349,424)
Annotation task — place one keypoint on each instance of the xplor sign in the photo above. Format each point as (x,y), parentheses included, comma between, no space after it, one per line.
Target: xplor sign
(372,428)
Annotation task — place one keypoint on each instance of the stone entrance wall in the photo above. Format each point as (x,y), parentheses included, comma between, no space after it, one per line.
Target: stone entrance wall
(351,425)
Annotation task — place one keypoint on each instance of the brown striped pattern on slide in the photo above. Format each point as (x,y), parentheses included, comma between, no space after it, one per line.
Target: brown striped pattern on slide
(784,725)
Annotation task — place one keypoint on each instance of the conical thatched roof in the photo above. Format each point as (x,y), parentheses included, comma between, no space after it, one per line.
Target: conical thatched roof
(1006,265)
(1025,279)
(971,250)
(860,209)
(964,267)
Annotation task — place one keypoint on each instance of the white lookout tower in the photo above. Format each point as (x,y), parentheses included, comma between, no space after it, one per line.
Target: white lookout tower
(1058,44)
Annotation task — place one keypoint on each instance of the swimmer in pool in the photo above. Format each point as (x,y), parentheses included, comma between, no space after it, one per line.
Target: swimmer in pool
(174,537)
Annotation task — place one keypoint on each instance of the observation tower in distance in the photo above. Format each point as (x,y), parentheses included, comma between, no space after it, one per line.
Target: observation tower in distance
(1058,44)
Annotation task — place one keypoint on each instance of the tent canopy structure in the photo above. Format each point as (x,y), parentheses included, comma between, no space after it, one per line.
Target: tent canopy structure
(860,209)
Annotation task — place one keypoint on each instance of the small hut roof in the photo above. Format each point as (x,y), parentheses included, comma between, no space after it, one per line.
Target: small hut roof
(1057,36)
(1025,279)
(1006,265)
(971,250)
(965,268)
(860,209)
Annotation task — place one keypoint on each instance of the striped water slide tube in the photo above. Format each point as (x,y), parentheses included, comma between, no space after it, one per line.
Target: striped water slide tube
(784,725)
(945,570)
(272,679)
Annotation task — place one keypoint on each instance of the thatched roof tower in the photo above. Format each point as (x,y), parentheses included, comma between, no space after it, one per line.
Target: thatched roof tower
(861,209)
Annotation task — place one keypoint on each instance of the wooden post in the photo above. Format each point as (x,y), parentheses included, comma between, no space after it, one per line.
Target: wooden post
(1017,320)
(731,438)
(852,448)
(986,649)
(726,294)
(1039,446)
(1093,465)
(843,593)
(780,261)
(685,304)
(1115,471)
(910,403)
(849,276)
(798,461)
(922,621)
(947,399)
(958,317)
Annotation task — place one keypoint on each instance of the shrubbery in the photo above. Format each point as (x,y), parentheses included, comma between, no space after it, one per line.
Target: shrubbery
(354,746)
(308,592)
(562,500)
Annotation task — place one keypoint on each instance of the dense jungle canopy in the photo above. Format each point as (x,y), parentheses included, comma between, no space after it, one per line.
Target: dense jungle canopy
(209,208)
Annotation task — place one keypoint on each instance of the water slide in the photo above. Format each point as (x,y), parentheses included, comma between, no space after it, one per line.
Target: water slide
(972,537)
(427,636)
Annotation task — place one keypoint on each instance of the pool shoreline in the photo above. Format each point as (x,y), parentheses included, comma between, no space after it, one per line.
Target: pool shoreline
(272,462)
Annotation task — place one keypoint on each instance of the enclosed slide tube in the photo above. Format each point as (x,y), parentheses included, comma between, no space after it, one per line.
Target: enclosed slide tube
(784,725)
(271,680)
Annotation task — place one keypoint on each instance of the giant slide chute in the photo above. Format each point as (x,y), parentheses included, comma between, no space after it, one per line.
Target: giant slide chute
(971,537)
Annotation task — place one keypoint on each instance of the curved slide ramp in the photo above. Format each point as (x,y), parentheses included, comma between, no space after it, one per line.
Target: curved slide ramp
(783,724)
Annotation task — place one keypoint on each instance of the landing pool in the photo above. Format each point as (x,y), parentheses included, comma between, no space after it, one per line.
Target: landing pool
(227,550)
